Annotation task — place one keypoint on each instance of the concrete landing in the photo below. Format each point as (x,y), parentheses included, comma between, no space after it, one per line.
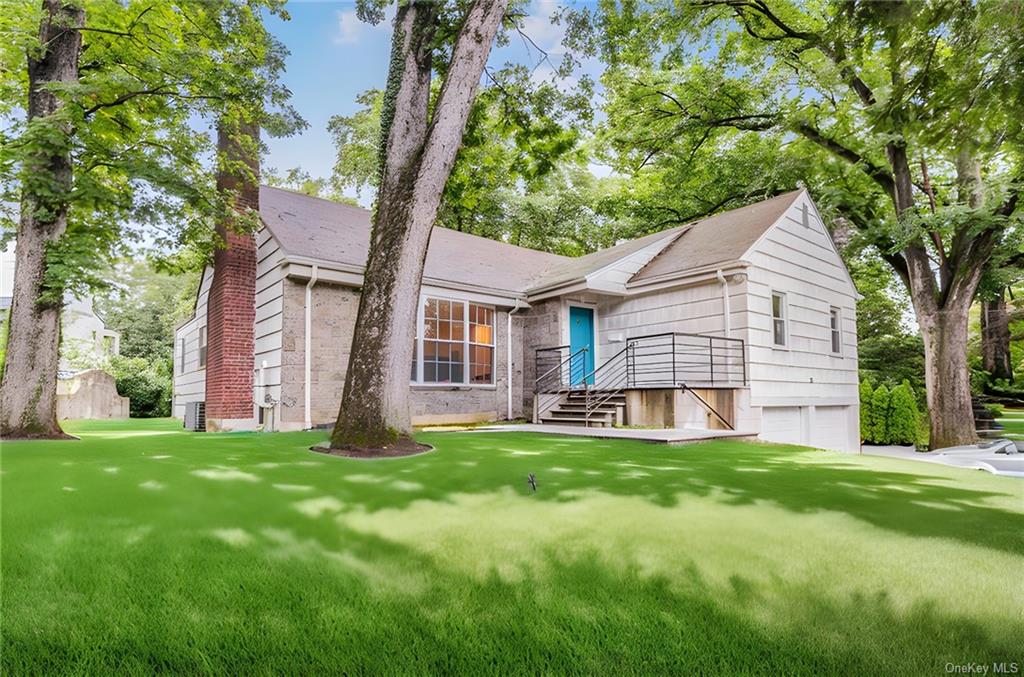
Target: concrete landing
(658,435)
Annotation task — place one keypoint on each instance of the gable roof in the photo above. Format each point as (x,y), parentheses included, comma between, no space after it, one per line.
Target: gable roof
(578,268)
(323,229)
(721,238)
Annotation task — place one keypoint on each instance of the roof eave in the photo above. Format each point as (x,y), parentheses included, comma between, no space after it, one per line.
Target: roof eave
(300,268)
(558,289)
(685,275)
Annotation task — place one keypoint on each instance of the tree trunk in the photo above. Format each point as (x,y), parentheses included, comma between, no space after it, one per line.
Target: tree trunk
(943,320)
(995,339)
(28,391)
(416,163)
(947,378)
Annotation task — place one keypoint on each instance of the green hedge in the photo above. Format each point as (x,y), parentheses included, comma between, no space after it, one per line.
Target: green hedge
(889,416)
(147,384)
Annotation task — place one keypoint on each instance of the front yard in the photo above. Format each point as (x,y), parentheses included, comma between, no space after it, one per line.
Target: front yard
(142,548)
(1012,421)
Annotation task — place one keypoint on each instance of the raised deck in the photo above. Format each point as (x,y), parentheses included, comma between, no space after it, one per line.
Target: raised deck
(653,379)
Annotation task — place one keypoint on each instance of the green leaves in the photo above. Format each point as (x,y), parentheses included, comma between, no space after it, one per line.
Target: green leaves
(154,77)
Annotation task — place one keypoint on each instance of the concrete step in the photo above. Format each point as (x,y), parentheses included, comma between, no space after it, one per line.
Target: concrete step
(581,397)
(581,416)
(581,406)
(562,420)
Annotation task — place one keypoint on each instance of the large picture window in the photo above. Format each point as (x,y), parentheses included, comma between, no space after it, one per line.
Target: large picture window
(454,343)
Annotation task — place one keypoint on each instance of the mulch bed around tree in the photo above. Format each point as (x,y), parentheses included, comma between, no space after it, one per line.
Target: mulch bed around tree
(25,438)
(403,447)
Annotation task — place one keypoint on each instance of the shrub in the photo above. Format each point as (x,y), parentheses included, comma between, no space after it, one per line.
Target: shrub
(879,421)
(866,395)
(147,384)
(893,359)
(902,422)
(995,409)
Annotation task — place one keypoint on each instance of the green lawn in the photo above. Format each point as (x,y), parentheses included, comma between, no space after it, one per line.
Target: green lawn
(141,548)
(1013,423)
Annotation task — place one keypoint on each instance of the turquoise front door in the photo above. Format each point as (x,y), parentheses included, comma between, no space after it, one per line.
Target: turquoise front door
(581,335)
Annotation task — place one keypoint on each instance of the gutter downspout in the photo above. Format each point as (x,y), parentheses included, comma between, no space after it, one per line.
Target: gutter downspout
(726,321)
(308,334)
(508,359)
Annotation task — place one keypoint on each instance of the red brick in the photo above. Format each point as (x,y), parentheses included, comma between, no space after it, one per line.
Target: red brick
(231,308)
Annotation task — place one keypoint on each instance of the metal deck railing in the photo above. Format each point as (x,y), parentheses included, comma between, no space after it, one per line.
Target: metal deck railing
(666,360)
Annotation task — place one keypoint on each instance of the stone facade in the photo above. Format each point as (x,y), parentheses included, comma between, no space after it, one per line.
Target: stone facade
(454,404)
(334,310)
(541,328)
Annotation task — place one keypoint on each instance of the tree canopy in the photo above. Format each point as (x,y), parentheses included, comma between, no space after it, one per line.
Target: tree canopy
(154,77)
(903,118)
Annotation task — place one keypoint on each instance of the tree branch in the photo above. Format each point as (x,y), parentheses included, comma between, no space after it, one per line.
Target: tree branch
(878,174)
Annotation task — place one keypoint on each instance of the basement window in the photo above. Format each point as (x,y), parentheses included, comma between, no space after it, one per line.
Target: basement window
(454,343)
(780,335)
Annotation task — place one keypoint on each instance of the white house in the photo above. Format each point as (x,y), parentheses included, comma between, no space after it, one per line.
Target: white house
(743,320)
(85,339)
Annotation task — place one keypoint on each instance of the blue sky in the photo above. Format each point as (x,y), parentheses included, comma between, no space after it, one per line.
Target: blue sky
(334,57)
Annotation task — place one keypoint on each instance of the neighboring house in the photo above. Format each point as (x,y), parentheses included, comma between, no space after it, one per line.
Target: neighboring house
(743,320)
(85,339)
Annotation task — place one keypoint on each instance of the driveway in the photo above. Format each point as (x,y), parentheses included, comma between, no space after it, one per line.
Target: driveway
(978,458)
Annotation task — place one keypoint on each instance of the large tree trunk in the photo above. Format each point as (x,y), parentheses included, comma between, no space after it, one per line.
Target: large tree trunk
(417,161)
(28,391)
(942,306)
(995,338)
(947,377)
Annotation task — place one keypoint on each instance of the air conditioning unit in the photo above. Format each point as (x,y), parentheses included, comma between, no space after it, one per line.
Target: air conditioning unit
(195,416)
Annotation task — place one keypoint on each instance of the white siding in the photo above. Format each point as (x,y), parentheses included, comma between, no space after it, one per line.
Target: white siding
(189,377)
(797,258)
(269,316)
(190,383)
(693,310)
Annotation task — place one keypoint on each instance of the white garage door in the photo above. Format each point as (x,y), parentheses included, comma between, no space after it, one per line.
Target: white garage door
(781,424)
(831,428)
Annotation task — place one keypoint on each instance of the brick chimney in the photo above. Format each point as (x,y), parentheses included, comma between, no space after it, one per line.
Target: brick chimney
(231,306)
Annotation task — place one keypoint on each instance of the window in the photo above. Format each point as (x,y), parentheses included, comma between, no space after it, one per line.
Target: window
(779,334)
(202,346)
(457,340)
(181,356)
(836,329)
(481,344)
(444,349)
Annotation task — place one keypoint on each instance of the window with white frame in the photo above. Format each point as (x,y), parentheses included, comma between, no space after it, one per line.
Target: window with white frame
(454,343)
(202,346)
(780,335)
(481,344)
(181,356)
(835,328)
